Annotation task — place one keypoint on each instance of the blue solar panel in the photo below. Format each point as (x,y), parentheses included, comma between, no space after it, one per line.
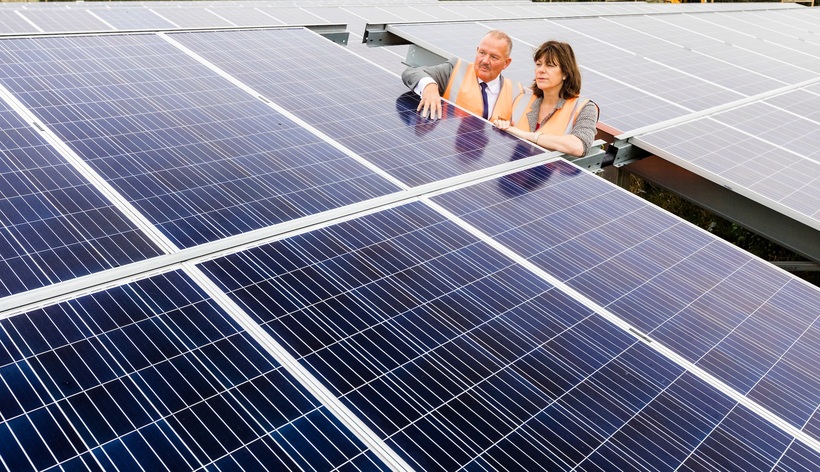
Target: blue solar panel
(63,20)
(729,313)
(132,18)
(13,23)
(54,225)
(798,457)
(782,173)
(457,356)
(191,17)
(154,375)
(201,158)
(366,109)
(459,350)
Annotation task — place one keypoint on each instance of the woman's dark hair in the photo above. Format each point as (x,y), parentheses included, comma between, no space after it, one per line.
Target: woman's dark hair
(558,53)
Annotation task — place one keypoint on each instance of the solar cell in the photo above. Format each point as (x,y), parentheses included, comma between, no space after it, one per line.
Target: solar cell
(154,375)
(55,225)
(364,108)
(200,157)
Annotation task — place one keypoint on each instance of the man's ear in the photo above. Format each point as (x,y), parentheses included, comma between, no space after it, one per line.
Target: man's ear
(509,59)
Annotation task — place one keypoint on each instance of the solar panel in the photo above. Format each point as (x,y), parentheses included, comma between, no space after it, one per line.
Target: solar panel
(245,16)
(200,157)
(637,56)
(460,357)
(13,23)
(532,320)
(55,225)
(705,89)
(191,17)
(782,171)
(133,19)
(292,15)
(155,375)
(52,21)
(736,317)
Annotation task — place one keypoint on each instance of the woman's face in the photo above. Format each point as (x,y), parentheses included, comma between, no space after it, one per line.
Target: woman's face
(548,76)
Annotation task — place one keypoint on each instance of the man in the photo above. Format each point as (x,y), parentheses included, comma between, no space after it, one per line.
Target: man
(460,82)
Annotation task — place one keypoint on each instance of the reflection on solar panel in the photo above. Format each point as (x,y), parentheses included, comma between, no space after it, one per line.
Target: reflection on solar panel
(199,156)
(542,319)
(55,225)
(13,23)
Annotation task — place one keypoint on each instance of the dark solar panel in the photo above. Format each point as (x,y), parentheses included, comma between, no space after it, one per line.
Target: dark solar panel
(460,357)
(740,319)
(555,322)
(364,108)
(200,157)
(153,375)
(54,225)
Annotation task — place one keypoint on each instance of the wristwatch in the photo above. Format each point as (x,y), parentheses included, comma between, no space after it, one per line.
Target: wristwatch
(537,135)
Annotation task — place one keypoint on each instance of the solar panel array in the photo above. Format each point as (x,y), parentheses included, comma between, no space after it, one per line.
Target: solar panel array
(266,260)
(729,96)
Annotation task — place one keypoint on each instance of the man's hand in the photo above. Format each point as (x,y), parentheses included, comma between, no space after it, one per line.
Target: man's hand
(430,104)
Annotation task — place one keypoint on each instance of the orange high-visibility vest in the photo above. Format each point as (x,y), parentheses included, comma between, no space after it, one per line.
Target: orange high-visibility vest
(463,89)
(560,123)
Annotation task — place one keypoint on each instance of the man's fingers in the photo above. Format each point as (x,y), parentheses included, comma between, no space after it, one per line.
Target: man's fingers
(430,108)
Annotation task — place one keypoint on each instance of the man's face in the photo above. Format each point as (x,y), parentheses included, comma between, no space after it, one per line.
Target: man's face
(491,58)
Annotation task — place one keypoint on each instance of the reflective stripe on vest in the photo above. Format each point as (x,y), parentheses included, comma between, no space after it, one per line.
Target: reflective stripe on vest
(521,106)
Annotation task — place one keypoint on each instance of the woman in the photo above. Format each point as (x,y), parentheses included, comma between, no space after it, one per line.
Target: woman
(555,116)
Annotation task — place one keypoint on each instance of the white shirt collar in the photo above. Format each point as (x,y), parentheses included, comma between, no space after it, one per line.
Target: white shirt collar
(494,86)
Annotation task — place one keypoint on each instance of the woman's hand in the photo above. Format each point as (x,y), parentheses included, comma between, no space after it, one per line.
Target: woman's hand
(502,124)
(507,125)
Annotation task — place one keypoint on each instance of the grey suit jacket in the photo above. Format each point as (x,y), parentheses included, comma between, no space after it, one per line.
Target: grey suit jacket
(440,73)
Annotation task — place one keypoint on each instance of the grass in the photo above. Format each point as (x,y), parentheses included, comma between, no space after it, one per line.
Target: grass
(724,229)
